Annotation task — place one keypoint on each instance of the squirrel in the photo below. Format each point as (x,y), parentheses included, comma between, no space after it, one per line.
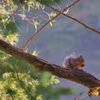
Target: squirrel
(74,62)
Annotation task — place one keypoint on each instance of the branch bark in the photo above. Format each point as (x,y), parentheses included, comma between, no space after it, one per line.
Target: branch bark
(78,76)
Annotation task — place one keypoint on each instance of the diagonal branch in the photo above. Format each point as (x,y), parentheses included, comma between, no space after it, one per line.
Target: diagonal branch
(32,37)
(78,76)
(86,26)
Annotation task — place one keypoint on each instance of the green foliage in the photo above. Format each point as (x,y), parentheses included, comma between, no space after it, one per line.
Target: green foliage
(49,2)
(10,27)
(18,79)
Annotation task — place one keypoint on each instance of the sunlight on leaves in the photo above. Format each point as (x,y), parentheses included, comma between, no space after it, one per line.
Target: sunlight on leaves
(39,97)
(35,53)
(36,23)
(51,22)
(1,36)
(54,80)
(6,75)
(52,14)
(94,91)
(3,11)
(12,38)
(38,5)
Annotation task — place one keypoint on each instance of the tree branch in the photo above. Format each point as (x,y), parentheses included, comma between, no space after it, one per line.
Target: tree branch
(83,24)
(78,76)
(32,37)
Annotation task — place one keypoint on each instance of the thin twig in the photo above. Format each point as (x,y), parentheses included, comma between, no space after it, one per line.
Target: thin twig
(32,37)
(86,26)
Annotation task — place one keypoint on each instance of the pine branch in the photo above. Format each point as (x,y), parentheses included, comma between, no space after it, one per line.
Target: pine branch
(78,76)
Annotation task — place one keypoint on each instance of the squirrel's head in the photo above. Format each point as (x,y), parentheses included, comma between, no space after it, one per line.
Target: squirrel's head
(80,61)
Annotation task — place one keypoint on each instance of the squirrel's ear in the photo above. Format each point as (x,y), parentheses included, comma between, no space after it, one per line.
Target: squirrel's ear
(81,56)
